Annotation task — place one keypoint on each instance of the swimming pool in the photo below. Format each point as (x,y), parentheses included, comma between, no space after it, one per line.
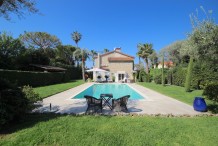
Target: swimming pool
(118,90)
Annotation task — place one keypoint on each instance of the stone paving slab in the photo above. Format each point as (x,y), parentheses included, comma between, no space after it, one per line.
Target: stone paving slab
(154,103)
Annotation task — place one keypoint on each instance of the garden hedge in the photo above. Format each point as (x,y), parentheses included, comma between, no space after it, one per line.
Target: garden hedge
(72,73)
(156,74)
(34,79)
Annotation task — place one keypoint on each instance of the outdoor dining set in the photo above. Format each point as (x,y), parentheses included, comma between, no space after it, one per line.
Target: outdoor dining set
(95,105)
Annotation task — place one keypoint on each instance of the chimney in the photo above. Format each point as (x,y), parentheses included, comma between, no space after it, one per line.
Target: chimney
(117,49)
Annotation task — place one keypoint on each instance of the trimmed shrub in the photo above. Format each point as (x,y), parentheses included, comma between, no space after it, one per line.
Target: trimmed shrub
(178,76)
(158,79)
(148,78)
(31,96)
(13,103)
(157,75)
(162,72)
(211,91)
(169,77)
(142,76)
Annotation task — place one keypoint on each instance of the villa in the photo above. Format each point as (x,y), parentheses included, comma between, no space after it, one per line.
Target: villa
(167,64)
(119,65)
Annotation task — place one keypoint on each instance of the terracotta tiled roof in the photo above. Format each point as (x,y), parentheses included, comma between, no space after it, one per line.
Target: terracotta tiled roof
(167,63)
(120,59)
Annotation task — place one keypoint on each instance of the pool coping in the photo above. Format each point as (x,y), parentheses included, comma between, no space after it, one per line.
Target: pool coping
(143,95)
(157,104)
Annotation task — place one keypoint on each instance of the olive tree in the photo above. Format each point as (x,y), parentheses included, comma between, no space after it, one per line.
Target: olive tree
(202,43)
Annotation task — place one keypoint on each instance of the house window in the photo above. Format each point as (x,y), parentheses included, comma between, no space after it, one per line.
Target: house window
(120,76)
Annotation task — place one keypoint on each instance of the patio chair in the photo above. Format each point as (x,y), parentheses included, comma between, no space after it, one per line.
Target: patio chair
(119,104)
(94,104)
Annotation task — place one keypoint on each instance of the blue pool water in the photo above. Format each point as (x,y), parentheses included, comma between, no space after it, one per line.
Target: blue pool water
(118,90)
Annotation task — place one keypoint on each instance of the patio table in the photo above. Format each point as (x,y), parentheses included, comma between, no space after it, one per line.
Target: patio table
(106,100)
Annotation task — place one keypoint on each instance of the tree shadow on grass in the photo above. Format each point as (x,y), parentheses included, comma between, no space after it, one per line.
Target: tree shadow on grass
(213,108)
(41,114)
(29,120)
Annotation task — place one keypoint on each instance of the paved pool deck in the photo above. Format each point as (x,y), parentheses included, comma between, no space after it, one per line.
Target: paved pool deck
(153,104)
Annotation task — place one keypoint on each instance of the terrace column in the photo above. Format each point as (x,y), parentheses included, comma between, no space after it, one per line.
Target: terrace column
(99,61)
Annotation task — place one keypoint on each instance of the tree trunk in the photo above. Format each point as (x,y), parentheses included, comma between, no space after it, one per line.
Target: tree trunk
(83,70)
(147,69)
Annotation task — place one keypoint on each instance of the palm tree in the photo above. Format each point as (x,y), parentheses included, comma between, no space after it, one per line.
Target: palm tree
(76,36)
(139,54)
(77,56)
(106,50)
(144,50)
(78,53)
(93,53)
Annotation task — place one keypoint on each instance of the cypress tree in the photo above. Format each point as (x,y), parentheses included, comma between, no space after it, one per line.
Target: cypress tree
(163,80)
(188,76)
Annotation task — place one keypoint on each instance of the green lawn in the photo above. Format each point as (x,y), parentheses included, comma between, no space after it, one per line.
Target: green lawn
(112,130)
(179,93)
(54,129)
(54,89)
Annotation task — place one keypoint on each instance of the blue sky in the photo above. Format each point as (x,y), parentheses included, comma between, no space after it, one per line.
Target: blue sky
(113,23)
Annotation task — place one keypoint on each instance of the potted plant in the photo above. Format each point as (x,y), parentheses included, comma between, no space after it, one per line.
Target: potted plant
(113,78)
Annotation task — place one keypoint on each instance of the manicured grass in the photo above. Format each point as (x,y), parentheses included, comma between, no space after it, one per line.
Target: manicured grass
(176,92)
(179,93)
(54,89)
(113,130)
